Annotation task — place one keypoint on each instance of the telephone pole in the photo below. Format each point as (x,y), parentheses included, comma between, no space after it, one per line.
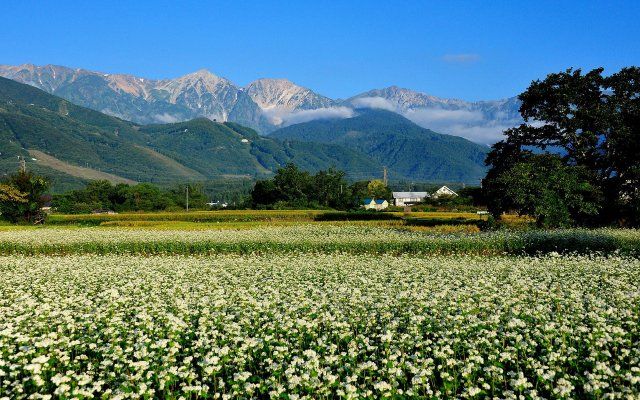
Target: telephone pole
(187,198)
(384,175)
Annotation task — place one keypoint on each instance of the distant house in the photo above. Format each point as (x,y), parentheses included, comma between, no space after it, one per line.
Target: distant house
(103,211)
(217,204)
(375,204)
(401,199)
(444,191)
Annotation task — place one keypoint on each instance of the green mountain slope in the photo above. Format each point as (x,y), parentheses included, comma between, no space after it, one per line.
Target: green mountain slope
(31,119)
(407,149)
(73,144)
(232,149)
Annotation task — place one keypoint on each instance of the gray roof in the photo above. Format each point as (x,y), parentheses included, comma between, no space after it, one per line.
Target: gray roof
(409,195)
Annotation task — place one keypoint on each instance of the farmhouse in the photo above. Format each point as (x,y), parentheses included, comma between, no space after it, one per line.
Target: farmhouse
(375,204)
(444,191)
(401,199)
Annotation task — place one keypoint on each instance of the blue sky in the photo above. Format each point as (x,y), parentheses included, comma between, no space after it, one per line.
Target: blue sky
(469,49)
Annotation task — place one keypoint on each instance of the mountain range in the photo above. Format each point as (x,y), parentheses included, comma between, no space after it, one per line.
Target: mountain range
(73,144)
(264,105)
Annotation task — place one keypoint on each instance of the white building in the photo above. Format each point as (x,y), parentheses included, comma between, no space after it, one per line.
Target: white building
(375,204)
(401,199)
(444,191)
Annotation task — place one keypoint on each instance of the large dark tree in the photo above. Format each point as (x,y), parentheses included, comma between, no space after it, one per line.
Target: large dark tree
(292,187)
(593,122)
(330,189)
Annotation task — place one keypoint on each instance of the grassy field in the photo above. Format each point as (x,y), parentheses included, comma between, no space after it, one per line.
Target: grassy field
(276,304)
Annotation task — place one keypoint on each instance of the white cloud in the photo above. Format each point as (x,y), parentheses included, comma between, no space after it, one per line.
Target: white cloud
(461,58)
(165,118)
(374,102)
(279,116)
(487,134)
(443,116)
(469,124)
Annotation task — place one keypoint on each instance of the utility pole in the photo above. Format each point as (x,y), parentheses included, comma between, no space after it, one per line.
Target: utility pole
(187,198)
(384,175)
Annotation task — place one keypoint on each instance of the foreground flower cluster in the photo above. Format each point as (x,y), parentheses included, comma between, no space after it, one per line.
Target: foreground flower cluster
(319,326)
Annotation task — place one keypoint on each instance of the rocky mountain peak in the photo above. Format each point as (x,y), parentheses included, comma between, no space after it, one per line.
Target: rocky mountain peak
(283,94)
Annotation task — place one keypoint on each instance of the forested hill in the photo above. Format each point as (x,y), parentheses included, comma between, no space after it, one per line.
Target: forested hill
(392,140)
(73,144)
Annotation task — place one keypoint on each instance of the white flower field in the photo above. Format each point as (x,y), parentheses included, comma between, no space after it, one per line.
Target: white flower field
(319,326)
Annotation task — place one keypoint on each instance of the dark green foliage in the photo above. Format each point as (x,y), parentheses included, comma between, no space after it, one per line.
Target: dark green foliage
(359,191)
(103,195)
(594,123)
(543,187)
(473,195)
(410,152)
(363,215)
(23,198)
(292,187)
(443,221)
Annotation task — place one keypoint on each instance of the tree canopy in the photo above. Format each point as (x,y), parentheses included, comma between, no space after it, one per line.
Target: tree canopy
(576,155)
(103,195)
(22,197)
(294,188)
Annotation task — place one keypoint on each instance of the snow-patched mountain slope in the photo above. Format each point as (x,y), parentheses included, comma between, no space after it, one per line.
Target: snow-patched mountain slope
(199,94)
(264,105)
(284,94)
(53,78)
(208,95)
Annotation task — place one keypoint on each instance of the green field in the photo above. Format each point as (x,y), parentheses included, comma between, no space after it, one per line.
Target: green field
(275,304)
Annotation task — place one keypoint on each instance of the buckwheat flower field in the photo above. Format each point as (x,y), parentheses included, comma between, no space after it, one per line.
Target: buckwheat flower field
(312,238)
(319,326)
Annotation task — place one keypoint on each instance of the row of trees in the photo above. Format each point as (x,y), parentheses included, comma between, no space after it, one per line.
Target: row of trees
(575,160)
(103,195)
(23,195)
(294,188)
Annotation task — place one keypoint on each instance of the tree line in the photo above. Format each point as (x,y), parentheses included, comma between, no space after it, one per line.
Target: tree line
(292,187)
(103,195)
